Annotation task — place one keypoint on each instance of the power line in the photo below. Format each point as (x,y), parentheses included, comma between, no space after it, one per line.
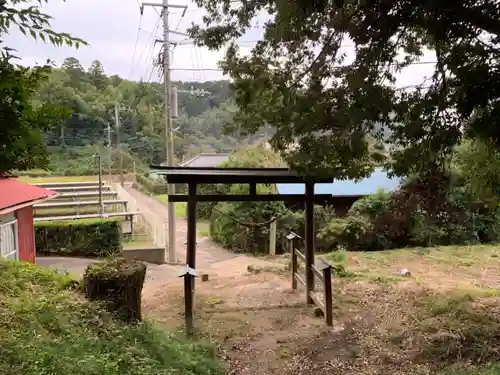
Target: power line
(220,70)
(152,40)
(135,46)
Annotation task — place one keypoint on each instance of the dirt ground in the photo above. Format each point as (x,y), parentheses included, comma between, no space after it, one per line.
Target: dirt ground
(383,323)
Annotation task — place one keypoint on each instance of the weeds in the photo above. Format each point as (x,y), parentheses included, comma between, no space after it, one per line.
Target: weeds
(46,327)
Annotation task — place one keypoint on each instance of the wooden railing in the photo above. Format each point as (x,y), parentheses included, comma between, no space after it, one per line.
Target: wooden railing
(324,300)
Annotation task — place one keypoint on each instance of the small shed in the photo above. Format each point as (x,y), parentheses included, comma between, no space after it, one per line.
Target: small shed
(341,194)
(17,235)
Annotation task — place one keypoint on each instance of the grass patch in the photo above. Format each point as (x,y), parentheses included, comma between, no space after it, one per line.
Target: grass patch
(446,267)
(46,327)
(82,210)
(459,327)
(489,369)
(203,228)
(180,212)
(180,207)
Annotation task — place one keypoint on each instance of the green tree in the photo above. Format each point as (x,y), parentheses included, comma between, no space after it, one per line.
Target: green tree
(21,142)
(297,78)
(477,165)
(97,75)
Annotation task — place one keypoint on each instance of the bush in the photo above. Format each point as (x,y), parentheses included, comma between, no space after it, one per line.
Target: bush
(48,328)
(87,238)
(237,226)
(204,209)
(295,221)
(371,206)
(119,284)
(151,186)
(350,232)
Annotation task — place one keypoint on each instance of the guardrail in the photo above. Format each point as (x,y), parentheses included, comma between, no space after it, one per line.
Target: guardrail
(323,275)
(146,219)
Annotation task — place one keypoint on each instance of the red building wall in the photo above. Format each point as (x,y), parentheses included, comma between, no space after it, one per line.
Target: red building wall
(26,234)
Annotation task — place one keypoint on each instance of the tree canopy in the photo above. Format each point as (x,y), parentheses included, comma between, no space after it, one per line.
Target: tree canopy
(91,95)
(21,142)
(297,78)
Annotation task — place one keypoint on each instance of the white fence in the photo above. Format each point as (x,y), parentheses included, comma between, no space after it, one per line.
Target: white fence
(147,219)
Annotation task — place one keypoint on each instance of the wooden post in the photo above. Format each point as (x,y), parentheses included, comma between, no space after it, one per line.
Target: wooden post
(290,237)
(188,274)
(272,238)
(253,189)
(309,221)
(191,227)
(294,266)
(327,275)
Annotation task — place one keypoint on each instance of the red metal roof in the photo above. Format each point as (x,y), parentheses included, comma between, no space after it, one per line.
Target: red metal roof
(15,194)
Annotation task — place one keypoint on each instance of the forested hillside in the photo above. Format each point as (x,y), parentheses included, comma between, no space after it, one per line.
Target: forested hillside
(91,96)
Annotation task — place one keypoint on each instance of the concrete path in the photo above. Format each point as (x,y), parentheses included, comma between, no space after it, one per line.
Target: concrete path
(207,251)
(76,267)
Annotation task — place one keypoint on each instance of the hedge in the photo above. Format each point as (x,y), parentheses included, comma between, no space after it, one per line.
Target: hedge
(151,186)
(86,237)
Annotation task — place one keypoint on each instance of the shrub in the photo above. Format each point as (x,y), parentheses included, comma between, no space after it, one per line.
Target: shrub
(151,186)
(371,206)
(295,221)
(204,209)
(119,284)
(237,226)
(424,195)
(349,232)
(255,157)
(88,237)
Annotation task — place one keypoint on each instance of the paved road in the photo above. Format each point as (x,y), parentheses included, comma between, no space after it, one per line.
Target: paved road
(207,252)
(76,267)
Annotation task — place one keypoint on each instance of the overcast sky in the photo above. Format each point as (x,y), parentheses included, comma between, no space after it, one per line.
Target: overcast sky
(111,28)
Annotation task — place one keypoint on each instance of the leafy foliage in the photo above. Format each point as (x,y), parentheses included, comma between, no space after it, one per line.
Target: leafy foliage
(244,226)
(253,157)
(88,238)
(21,144)
(426,211)
(90,95)
(47,328)
(325,108)
(477,163)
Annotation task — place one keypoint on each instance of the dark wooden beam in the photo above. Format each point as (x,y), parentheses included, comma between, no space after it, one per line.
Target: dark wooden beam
(253,189)
(309,239)
(247,198)
(204,175)
(191,227)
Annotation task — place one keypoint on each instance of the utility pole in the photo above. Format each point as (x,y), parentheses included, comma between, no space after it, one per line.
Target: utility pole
(110,155)
(118,143)
(169,138)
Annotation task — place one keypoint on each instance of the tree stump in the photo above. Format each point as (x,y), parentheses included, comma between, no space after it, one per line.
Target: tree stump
(118,283)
